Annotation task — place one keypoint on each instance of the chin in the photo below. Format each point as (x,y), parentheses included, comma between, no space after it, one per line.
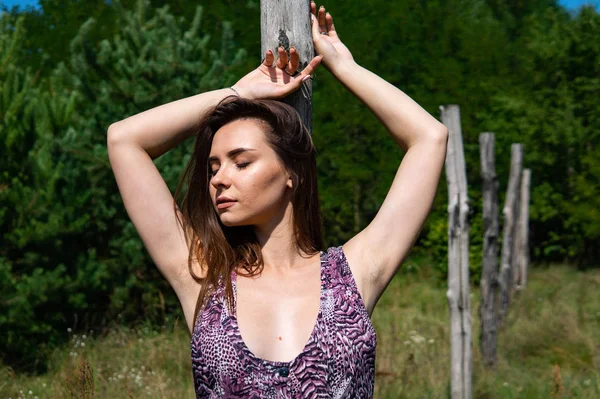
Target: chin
(229,222)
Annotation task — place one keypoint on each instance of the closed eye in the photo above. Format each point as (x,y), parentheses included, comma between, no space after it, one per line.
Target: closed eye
(238,165)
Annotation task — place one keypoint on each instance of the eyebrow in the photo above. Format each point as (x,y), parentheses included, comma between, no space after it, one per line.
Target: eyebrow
(232,153)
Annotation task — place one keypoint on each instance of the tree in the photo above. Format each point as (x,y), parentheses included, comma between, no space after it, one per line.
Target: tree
(70,255)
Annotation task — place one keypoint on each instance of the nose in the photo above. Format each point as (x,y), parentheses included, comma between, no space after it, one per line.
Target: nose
(220,178)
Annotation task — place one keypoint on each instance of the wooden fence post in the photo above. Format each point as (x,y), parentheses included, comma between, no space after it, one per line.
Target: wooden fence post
(286,24)
(522,261)
(489,273)
(458,258)
(510,212)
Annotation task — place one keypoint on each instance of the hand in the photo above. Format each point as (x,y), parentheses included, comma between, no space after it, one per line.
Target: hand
(334,52)
(275,80)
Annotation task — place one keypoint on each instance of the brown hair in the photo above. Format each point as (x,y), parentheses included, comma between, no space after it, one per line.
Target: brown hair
(221,248)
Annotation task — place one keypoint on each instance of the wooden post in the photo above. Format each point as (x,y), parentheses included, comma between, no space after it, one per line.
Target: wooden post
(489,273)
(286,24)
(458,258)
(514,267)
(522,262)
(509,211)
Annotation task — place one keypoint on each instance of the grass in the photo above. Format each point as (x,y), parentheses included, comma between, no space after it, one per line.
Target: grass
(549,348)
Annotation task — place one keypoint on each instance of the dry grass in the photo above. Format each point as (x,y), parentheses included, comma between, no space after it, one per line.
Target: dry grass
(549,348)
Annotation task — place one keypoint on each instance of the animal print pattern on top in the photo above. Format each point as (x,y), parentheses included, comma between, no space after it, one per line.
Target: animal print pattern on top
(338,360)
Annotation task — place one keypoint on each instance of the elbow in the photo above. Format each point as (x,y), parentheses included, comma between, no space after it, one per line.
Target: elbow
(113,128)
(442,132)
(112,133)
(440,135)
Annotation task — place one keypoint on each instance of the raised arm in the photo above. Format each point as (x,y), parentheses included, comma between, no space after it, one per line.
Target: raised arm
(376,253)
(133,143)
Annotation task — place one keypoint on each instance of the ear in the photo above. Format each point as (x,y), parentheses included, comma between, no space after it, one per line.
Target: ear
(290,183)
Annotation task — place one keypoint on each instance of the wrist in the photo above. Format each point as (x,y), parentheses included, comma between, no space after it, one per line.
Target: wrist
(238,91)
(343,69)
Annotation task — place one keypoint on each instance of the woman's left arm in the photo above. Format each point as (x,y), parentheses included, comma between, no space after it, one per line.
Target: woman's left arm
(407,122)
(378,251)
(384,244)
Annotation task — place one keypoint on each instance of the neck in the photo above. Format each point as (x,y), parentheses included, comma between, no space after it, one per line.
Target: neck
(279,248)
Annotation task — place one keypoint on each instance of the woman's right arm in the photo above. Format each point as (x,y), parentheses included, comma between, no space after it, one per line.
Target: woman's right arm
(132,144)
(160,129)
(135,142)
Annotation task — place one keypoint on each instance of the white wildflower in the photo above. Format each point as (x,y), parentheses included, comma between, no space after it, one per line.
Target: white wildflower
(417,339)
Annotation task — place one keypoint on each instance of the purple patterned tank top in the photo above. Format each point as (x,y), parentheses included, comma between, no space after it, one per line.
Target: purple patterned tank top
(338,360)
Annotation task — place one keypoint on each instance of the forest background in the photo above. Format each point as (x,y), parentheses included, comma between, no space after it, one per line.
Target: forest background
(529,71)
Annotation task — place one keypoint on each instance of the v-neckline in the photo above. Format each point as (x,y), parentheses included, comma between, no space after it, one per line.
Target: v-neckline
(311,338)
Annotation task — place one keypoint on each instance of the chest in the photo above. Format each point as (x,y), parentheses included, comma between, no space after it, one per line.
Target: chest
(276,315)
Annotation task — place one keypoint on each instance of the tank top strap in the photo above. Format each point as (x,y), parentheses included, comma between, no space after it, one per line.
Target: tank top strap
(339,277)
(335,268)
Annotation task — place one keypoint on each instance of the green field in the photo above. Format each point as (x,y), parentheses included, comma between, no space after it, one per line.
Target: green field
(550,348)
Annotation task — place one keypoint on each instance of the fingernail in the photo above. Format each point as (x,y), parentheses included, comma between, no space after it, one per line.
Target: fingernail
(304,79)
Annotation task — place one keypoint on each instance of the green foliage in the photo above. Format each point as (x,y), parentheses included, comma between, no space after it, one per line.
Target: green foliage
(72,254)
(553,113)
(527,71)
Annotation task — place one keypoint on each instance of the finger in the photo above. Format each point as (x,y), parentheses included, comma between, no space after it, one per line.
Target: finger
(269,58)
(313,8)
(315,28)
(294,60)
(330,26)
(283,58)
(322,26)
(310,68)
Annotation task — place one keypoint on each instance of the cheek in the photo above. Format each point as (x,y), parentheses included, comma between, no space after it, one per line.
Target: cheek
(263,188)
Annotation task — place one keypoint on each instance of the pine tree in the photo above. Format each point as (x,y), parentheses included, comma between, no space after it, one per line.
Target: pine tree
(70,254)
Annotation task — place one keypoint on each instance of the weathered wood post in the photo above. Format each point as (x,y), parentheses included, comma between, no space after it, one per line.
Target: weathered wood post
(286,24)
(522,261)
(510,212)
(458,258)
(489,273)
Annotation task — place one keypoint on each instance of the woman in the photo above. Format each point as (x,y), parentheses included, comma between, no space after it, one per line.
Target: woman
(271,314)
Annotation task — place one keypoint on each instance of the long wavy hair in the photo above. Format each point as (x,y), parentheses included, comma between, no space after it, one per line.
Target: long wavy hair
(220,249)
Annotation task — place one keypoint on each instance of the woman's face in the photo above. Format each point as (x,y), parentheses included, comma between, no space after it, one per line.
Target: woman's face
(244,168)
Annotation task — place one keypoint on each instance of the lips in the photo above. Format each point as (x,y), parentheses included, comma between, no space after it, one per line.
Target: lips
(226,204)
(224,199)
